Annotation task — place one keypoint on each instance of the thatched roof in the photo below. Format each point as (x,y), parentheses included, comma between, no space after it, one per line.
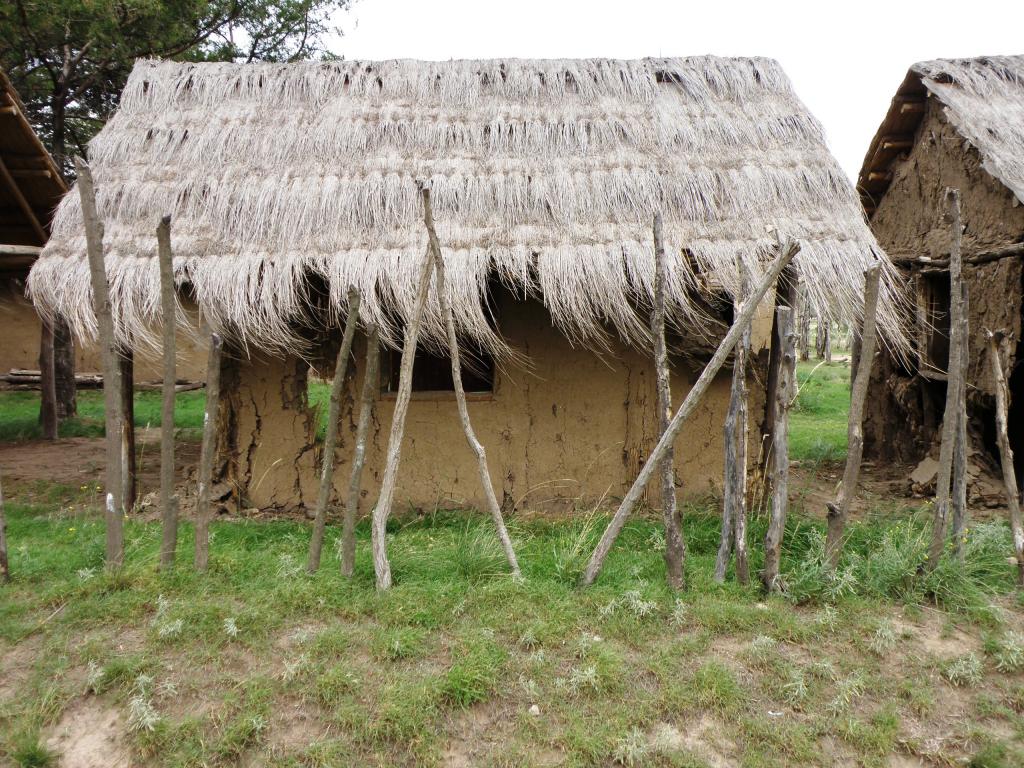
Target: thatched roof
(545,173)
(983,98)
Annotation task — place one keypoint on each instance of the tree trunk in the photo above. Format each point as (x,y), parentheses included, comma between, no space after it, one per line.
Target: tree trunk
(111,367)
(5,564)
(783,396)
(1006,453)
(786,253)
(64,369)
(839,509)
(828,342)
(958,499)
(953,383)
(734,505)
(126,360)
(47,385)
(369,395)
(169,309)
(387,487)
(207,452)
(675,545)
(316,543)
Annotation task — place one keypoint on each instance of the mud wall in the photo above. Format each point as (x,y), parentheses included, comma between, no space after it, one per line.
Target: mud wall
(566,428)
(904,409)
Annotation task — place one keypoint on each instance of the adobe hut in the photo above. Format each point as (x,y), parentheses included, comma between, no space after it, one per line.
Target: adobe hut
(960,124)
(290,183)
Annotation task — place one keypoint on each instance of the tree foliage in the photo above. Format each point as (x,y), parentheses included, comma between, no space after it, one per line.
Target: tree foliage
(69,59)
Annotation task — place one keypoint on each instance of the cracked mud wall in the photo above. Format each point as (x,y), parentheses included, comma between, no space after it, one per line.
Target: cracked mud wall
(904,410)
(567,429)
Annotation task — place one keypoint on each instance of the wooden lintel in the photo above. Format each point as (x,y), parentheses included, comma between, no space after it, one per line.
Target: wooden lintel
(899,144)
(30,214)
(9,110)
(980,257)
(879,175)
(912,107)
(19,250)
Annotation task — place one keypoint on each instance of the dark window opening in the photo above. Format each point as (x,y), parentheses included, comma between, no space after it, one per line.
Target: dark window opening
(933,324)
(432,372)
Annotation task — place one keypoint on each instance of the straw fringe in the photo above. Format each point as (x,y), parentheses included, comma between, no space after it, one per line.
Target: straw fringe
(544,174)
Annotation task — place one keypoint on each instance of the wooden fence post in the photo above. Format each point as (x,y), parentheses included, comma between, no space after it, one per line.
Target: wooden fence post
(316,542)
(48,418)
(1006,452)
(954,378)
(786,253)
(208,452)
(958,500)
(369,394)
(168,306)
(839,508)
(780,451)
(675,544)
(126,361)
(111,368)
(5,564)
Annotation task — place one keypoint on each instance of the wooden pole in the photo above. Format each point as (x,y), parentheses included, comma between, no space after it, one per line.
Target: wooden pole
(786,253)
(126,361)
(785,296)
(111,368)
(47,384)
(675,545)
(958,500)
(460,394)
(168,306)
(207,452)
(953,383)
(370,385)
(734,504)
(382,511)
(1006,452)
(780,451)
(839,508)
(5,564)
(316,543)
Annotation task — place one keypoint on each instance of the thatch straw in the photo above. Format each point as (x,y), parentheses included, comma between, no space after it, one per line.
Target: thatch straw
(544,173)
(984,100)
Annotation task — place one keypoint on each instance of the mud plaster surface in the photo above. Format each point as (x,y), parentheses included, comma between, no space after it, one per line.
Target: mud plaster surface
(567,427)
(909,221)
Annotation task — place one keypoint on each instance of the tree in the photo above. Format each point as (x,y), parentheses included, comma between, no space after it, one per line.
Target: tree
(69,59)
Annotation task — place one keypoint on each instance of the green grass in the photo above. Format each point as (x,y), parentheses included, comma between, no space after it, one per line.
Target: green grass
(818,422)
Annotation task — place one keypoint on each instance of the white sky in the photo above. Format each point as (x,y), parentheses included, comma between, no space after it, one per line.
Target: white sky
(845,58)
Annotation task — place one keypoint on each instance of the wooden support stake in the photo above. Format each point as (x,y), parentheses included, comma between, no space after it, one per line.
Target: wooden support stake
(954,379)
(5,564)
(734,506)
(1006,452)
(47,384)
(207,452)
(369,394)
(111,367)
(126,360)
(460,394)
(316,543)
(786,253)
(675,545)
(839,508)
(168,306)
(382,511)
(783,397)
(958,497)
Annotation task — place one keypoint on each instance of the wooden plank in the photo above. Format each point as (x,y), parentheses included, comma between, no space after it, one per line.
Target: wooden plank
(207,452)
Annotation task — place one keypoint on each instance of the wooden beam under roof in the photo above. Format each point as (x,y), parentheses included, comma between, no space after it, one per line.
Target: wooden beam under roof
(26,208)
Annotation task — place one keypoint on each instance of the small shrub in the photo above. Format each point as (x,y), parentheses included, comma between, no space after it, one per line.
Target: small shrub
(964,670)
(631,750)
(883,640)
(30,752)
(795,690)
(847,689)
(1008,653)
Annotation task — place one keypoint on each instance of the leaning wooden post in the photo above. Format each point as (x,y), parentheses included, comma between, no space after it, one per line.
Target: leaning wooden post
(953,383)
(207,452)
(675,545)
(369,395)
(168,306)
(1006,452)
(786,253)
(382,511)
(734,502)
(316,543)
(111,367)
(47,383)
(460,394)
(839,508)
(783,396)
(126,361)
(5,564)
(958,496)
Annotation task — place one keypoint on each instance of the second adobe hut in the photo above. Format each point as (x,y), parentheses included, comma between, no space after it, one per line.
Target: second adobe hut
(958,124)
(290,183)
